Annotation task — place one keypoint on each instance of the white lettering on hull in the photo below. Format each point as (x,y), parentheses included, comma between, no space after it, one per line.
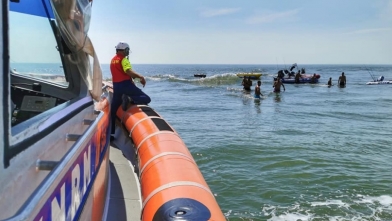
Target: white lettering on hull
(58,206)
(58,210)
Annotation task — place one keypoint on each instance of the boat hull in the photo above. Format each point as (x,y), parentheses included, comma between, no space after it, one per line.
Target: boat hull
(199,75)
(378,82)
(301,81)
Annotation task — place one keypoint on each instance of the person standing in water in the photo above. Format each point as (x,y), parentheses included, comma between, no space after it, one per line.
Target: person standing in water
(342,80)
(247,83)
(330,82)
(313,79)
(297,77)
(277,85)
(258,90)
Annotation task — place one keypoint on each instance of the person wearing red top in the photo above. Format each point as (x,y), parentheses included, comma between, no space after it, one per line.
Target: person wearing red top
(123,85)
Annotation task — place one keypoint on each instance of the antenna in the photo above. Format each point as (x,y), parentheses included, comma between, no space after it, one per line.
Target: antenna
(374,79)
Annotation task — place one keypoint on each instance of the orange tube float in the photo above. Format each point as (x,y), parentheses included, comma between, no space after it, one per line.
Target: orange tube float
(172,186)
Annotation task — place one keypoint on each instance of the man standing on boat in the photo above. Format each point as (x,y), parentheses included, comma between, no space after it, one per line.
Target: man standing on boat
(342,80)
(123,84)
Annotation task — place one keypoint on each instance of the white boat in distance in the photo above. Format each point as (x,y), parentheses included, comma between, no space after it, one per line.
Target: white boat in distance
(379,80)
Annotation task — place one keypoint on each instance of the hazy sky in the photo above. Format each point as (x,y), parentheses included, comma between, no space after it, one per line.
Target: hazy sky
(231,31)
(245,32)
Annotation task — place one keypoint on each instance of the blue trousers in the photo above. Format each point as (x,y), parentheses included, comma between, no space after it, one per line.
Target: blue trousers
(130,89)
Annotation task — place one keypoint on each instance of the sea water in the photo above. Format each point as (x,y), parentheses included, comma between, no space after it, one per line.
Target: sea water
(312,152)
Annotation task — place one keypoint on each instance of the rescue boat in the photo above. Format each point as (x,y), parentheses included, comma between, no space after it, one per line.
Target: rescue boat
(55,114)
(56,158)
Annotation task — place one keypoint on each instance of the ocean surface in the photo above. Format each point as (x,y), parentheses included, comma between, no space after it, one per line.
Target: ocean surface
(310,153)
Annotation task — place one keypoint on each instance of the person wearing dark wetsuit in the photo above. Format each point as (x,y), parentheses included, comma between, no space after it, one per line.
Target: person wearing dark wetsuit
(297,77)
(330,82)
(247,83)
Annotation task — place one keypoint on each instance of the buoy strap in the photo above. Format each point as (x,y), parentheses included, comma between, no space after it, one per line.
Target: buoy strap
(174,184)
(165,154)
(141,120)
(153,134)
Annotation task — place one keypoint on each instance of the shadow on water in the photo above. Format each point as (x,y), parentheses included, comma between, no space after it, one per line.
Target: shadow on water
(257,105)
(341,86)
(277,97)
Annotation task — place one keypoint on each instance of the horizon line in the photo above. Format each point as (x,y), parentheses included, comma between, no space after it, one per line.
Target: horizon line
(210,63)
(240,64)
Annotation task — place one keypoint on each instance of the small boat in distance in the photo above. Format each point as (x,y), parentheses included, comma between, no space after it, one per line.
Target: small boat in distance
(379,80)
(376,81)
(254,76)
(200,75)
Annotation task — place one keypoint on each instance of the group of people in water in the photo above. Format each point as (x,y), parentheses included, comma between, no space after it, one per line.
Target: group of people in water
(341,81)
(247,83)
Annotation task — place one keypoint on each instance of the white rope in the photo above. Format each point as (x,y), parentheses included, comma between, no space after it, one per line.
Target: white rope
(130,132)
(174,184)
(153,134)
(165,154)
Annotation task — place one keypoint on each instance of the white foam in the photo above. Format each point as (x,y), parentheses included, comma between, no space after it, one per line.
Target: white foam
(291,217)
(329,202)
(154,78)
(384,200)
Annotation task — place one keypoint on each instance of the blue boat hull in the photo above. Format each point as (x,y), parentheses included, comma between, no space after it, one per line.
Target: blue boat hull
(301,81)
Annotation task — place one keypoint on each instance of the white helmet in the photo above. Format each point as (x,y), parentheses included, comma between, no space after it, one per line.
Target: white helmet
(122,45)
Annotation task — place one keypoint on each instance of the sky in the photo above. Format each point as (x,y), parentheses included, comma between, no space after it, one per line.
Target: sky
(245,32)
(233,31)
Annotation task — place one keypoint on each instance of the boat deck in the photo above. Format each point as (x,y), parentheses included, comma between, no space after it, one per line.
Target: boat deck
(124,201)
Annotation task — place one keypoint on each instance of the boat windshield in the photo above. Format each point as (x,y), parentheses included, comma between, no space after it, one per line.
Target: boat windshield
(33,49)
